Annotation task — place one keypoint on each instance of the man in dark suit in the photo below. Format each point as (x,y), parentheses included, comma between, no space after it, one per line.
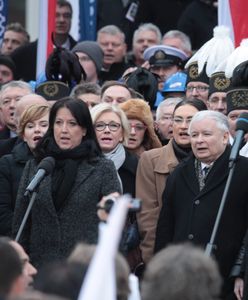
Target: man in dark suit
(25,57)
(194,191)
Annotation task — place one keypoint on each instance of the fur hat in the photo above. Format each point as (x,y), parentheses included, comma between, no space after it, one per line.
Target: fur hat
(139,109)
(218,82)
(237,96)
(93,50)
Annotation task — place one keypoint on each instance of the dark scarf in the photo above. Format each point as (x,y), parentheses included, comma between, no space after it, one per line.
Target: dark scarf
(180,152)
(66,166)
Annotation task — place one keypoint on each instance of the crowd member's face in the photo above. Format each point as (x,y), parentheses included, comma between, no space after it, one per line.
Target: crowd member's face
(232,119)
(181,119)
(164,73)
(29,270)
(115,95)
(67,133)
(88,65)
(145,39)
(165,121)
(217,102)
(197,90)
(9,98)
(208,141)
(35,130)
(110,136)
(6,74)
(90,99)
(11,41)
(62,20)
(113,46)
(137,133)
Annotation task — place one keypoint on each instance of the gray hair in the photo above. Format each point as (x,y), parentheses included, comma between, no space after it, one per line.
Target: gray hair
(101,108)
(186,43)
(220,119)
(165,103)
(86,88)
(146,27)
(112,30)
(16,84)
(181,272)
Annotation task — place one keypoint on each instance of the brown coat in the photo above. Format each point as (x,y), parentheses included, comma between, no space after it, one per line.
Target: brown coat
(153,169)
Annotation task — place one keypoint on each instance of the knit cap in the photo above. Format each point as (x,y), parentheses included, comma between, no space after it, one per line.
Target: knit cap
(93,50)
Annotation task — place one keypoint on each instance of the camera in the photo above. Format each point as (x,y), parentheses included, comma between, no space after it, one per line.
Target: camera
(133,206)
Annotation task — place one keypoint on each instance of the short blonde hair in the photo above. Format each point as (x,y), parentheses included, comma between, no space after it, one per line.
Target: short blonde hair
(31,114)
(101,108)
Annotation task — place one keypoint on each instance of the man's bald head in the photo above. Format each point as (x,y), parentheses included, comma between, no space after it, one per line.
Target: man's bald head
(25,102)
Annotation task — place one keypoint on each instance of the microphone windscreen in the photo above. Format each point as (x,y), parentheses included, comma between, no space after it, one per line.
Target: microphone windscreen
(242,122)
(47,164)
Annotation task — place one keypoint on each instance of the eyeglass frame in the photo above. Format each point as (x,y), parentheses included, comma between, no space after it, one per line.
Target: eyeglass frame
(118,125)
(198,88)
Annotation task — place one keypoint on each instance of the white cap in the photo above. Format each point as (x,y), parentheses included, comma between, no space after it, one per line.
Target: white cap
(149,52)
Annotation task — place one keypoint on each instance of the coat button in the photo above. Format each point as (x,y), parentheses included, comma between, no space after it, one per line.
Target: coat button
(190,236)
(197,202)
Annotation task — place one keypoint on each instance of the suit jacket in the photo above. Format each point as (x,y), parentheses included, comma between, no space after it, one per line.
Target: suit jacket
(153,169)
(51,235)
(189,214)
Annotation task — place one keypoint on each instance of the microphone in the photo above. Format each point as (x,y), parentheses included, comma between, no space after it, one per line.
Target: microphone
(44,168)
(241,130)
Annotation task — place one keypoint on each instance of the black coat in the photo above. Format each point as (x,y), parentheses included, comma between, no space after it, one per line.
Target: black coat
(5,133)
(51,234)
(127,173)
(7,145)
(11,168)
(188,214)
(198,21)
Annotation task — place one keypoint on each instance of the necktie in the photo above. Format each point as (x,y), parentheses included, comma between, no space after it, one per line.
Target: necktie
(205,171)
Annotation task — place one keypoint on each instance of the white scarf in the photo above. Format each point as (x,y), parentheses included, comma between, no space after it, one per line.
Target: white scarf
(118,156)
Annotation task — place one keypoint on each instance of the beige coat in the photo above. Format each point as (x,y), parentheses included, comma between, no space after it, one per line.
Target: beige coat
(153,169)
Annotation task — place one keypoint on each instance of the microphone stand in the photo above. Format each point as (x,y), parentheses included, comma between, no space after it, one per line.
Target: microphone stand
(24,220)
(210,245)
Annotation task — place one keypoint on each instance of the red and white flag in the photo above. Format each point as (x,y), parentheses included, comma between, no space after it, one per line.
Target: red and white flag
(46,27)
(233,14)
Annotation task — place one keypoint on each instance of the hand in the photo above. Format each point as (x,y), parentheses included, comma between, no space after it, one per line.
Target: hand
(101,212)
(239,288)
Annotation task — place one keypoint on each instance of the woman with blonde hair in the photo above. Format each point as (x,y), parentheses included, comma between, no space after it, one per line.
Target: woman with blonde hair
(112,131)
(32,127)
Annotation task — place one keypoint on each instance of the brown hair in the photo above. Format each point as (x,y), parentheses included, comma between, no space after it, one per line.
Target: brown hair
(31,114)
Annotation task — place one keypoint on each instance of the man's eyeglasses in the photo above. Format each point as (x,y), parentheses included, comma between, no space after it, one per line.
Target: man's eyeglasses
(198,88)
(112,126)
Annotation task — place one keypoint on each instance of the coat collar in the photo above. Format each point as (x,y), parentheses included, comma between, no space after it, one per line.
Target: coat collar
(167,160)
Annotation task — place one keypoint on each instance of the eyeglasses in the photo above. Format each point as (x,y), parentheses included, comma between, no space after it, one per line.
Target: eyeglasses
(198,88)
(112,126)
(137,127)
(180,121)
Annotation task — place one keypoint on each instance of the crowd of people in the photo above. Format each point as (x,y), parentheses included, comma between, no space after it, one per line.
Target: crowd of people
(156,120)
